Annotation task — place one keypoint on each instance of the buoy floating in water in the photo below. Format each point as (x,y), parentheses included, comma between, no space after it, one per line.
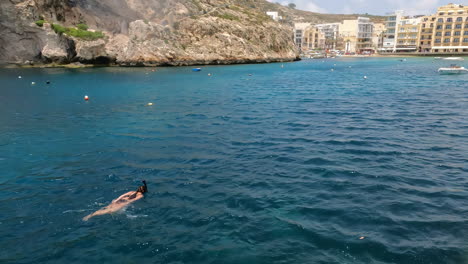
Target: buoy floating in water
(365,77)
(361,238)
(19,77)
(150,104)
(86,98)
(209,74)
(33,83)
(48,82)
(196,69)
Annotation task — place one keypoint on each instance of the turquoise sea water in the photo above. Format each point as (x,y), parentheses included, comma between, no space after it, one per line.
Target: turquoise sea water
(288,165)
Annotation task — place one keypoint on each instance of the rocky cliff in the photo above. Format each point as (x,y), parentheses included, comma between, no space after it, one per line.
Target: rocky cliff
(141,32)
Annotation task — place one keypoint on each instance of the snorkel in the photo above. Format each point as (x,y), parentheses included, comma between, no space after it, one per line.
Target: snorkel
(145,187)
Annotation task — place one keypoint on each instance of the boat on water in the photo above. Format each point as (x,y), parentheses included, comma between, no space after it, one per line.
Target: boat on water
(453,69)
(454,58)
(196,69)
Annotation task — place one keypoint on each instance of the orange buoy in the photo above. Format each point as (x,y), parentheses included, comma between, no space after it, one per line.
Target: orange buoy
(86,98)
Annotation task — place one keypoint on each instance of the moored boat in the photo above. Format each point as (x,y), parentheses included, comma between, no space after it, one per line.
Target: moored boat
(454,58)
(453,69)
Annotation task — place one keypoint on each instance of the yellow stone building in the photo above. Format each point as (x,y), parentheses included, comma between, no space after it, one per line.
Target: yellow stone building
(357,35)
(426,30)
(451,29)
(313,39)
(378,34)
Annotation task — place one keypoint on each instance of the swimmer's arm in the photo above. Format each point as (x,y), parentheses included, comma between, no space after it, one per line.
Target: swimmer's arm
(125,195)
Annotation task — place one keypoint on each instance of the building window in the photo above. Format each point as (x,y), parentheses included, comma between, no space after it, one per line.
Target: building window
(457,33)
(450,13)
(437,40)
(440,20)
(447,40)
(458,26)
(465,40)
(459,19)
(448,27)
(456,40)
(465,33)
(449,19)
(439,27)
(441,13)
(438,34)
(447,33)
(466,26)
(460,12)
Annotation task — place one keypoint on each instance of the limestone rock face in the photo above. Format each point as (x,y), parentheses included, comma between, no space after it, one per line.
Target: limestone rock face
(57,48)
(91,51)
(143,32)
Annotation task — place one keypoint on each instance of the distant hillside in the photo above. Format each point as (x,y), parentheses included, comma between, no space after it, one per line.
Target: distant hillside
(295,15)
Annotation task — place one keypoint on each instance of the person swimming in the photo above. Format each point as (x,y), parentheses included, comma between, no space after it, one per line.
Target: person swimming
(121,202)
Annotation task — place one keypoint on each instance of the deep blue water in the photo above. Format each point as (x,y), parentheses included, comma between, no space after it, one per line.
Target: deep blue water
(289,165)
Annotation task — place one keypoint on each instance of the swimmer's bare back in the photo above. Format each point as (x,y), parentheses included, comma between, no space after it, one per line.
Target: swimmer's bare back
(117,204)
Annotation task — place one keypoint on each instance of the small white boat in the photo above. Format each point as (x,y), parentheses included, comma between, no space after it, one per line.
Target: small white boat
(454,58)
(453,69)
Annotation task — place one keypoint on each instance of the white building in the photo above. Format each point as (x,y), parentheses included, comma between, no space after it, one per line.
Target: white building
(390,35)
(274,15)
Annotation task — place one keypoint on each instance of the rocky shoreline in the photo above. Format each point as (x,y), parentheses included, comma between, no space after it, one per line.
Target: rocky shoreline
(135,33)
(146,64)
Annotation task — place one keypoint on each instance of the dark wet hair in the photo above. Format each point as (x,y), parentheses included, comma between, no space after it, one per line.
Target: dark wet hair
(143,188)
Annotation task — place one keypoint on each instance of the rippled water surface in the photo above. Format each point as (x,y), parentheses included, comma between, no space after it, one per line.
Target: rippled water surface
(288,165)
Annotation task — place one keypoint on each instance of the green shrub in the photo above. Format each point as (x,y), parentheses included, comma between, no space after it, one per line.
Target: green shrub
(77,32)
(40,23)
(82,26)
(83,34)
(59,29)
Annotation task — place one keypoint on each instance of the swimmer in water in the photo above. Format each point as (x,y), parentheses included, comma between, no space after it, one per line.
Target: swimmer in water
(121,202)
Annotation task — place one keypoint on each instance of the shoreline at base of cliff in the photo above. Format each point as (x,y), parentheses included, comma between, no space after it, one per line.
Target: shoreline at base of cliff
(78,65)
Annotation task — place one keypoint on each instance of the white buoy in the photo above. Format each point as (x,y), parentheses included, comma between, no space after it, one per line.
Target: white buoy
(19,77)
(150,104)
(365,77)
(209,74)
(86,98)
(33,83)
(332,69)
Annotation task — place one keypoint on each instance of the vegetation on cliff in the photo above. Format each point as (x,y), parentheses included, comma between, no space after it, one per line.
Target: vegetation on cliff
(81,32)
